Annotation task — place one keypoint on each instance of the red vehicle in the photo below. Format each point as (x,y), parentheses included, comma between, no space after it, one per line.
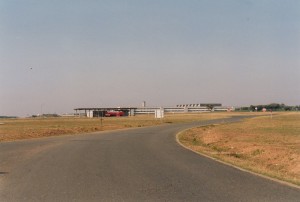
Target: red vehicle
(114,113)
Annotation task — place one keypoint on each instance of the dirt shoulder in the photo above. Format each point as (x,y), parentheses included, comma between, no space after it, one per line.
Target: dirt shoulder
(266,145)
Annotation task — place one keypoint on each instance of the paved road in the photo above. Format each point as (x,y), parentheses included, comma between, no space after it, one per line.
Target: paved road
(144,164)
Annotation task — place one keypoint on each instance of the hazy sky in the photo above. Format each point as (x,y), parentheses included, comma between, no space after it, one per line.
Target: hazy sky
(58,55)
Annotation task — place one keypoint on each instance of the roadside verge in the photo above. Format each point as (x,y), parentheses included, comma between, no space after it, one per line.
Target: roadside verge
(249,151)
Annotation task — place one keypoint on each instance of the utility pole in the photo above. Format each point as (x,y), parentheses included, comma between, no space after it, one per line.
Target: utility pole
(101,118)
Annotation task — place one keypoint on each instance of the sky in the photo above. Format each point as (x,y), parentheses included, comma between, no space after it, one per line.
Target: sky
(63,54)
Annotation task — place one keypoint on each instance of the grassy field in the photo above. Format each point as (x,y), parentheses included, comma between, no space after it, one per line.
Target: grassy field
(16,129)
(266,145)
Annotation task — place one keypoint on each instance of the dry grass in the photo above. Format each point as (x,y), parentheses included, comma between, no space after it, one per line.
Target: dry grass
(266,145)
(16,129)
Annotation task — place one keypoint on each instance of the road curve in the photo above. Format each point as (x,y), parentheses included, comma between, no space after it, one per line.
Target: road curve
(144,164)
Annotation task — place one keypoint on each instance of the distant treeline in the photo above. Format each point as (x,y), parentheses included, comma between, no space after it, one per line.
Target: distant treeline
(46,115)
(273,107)
(7,117)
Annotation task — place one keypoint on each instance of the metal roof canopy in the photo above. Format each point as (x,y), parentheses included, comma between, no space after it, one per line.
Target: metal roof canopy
(105,108)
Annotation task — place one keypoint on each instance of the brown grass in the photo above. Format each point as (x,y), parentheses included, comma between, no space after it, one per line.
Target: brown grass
(266,145)
(26,128)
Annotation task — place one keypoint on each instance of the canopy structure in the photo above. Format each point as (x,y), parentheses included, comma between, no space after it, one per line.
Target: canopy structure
(131,111)
(100,112)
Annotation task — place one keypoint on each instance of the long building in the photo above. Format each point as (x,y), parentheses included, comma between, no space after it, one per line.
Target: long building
(132,111)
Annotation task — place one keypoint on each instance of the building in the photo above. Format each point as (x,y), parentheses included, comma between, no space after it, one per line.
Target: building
(132,111)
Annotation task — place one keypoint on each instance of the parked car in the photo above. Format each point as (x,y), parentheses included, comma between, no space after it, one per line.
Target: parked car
(114,113)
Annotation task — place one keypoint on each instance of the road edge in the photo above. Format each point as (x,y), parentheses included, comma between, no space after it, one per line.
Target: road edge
(232,165)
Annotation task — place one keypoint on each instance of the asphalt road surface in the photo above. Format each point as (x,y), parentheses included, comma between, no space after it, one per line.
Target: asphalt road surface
(144,164)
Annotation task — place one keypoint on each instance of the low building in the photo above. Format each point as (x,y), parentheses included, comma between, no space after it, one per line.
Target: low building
(131,111)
